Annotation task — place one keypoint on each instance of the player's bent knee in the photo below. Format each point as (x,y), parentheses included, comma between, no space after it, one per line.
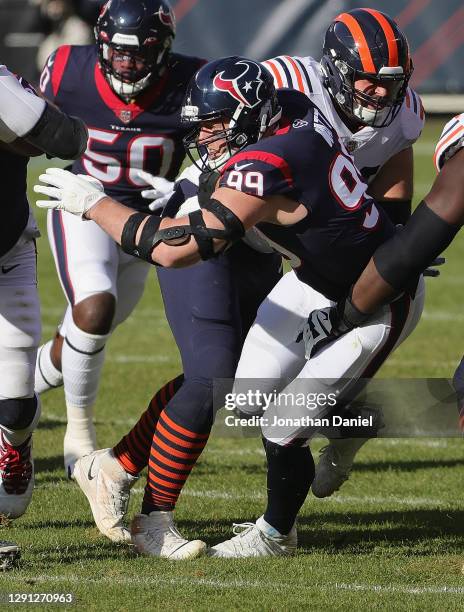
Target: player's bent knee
(17,413)
(94,315)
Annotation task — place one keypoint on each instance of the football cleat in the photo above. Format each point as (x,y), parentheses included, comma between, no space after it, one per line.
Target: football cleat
(256,540)
(156,535)
(107,486)
(336,459)
(9,555)
(16,477)
(78,442)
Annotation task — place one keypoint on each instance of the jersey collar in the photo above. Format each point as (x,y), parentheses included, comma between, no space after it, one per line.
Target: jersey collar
(127,112)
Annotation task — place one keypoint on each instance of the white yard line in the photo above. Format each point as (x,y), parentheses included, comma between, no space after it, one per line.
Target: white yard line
(238,583)
(260,496)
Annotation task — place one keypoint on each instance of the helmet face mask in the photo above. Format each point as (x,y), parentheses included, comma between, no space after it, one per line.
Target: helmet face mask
(232,103)
(379,58)
(134,41)
(212,142)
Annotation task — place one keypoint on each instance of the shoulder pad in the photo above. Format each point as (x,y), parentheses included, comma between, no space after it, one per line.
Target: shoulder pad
(450,141)
(412,116)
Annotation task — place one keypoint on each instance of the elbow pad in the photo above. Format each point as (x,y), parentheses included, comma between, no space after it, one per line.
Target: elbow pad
(414,247)
(58,134)
(151,234)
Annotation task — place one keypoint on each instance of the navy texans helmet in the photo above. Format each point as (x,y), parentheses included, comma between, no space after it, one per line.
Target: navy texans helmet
(134,39)
(366,44)
(240,93)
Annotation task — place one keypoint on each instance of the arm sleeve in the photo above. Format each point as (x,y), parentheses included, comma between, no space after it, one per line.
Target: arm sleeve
(20,109)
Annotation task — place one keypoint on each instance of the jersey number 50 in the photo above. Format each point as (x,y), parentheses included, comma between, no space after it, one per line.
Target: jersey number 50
(108,168)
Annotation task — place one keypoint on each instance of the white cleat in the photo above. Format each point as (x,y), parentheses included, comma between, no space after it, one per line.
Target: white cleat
(78,442)
(256,540)
(107,486)
(9,555)
(16,477)
(336,459)
(156,535)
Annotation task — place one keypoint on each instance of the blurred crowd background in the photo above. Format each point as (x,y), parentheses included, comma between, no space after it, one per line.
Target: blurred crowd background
(31,29)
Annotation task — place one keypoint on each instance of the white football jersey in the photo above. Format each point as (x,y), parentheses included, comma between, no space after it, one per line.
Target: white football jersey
(20,108)
(450,141)
(370,147)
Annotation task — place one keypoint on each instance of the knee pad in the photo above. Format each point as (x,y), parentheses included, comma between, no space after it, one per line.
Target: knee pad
(19,413)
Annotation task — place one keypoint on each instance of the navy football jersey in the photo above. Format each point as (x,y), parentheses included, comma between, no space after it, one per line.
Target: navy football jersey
(123,138)
(306,162)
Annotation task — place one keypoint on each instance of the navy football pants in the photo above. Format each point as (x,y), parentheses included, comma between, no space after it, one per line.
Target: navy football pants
(210,307)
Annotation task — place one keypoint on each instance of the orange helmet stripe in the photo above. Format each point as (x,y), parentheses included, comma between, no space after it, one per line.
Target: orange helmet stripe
(389,36)
(360,40)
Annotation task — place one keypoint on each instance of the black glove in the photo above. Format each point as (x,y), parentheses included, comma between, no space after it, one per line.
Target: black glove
(207,185)
(432,269)
(325,325)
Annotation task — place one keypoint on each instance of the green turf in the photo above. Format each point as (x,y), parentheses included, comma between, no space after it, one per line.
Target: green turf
(391,539)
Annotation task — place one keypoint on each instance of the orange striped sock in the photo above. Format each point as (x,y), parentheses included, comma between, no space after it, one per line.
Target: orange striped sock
(174,452)
(133,450)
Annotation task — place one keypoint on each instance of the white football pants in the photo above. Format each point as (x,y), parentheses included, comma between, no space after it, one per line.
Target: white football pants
(273,361)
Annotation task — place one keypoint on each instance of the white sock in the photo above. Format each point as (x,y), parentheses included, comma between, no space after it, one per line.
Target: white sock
(82,359)
(46,375)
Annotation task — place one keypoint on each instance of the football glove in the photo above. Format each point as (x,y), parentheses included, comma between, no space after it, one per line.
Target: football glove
(432,269)
(72,193)
(325,325)
(161,192)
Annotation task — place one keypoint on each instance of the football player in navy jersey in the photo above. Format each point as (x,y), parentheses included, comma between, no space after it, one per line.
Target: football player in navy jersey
(28,126)
(361,87)
(284,171)
(128,88)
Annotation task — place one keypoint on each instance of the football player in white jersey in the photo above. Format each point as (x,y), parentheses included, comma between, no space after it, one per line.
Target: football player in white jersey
(28,126)
(361,86)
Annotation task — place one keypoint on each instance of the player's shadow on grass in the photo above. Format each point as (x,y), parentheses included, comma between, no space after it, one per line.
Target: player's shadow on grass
(46,423)
(427,532)
(61,524)
(424,532)
(48,464)
(99,549)
(407,465)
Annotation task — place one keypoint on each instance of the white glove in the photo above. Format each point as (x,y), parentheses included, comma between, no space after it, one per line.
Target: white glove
(72,193)
(161,192)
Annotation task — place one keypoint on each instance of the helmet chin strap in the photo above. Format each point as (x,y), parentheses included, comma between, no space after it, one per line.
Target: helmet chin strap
(214,164)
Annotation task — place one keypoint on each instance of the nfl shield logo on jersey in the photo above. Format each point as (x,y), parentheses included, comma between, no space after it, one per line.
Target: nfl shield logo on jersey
(125,116)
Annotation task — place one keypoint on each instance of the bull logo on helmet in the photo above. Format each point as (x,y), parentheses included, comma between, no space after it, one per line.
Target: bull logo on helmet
(243,88)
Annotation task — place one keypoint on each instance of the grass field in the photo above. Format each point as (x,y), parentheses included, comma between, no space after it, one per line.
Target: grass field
(391,539)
